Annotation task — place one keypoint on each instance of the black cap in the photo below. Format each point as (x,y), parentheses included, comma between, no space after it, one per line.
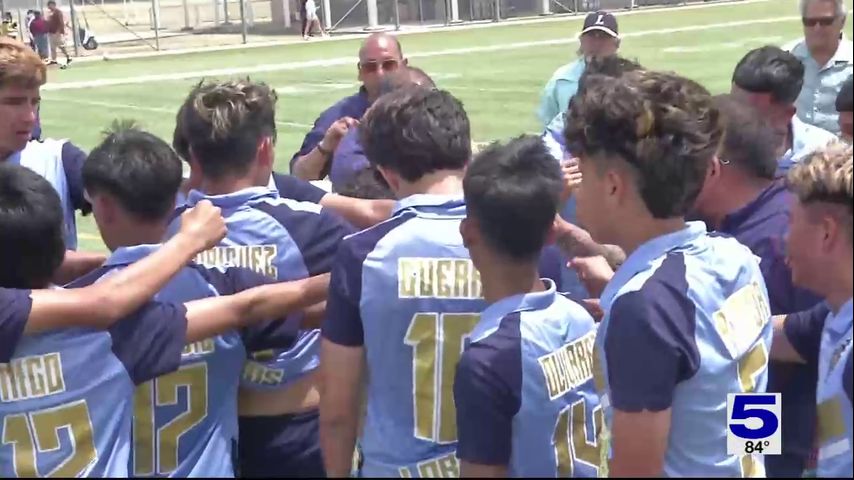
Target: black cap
(602,21)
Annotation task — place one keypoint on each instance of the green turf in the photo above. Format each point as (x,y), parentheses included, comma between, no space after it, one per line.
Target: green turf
(499,88)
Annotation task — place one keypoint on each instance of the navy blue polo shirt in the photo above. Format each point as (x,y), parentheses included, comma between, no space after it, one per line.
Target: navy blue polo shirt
(353,106)
(762,226)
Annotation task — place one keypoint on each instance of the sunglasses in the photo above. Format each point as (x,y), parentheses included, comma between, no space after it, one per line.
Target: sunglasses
(823,21)
(374,66)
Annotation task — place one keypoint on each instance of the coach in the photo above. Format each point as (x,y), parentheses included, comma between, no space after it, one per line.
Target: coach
(828,60)
(599,38)
(380,54)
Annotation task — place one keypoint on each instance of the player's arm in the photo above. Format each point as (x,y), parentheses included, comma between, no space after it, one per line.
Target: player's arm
(361,213)
(577,242)
(342,359)
(76,264)
(486,402)
(797,336)
(212,316)
(118,295)
(650,348)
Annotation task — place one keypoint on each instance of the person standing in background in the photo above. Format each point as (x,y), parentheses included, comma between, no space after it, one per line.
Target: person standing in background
(310,20)
(828,60)
(56,29)
(38,29)
(599,38)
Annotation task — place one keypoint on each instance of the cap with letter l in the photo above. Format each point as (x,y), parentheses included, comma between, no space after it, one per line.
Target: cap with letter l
(602,21)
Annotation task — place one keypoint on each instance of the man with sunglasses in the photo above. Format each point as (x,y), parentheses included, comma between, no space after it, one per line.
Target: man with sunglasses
(379,55)
(828,60)
(599,38)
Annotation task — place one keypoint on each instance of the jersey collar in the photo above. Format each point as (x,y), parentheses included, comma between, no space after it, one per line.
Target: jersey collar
(841,321)
(231,200)
(645,255)
(491,317)
(427,200)
(128,255)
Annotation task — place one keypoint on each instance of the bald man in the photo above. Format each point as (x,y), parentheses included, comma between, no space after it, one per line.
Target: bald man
(379,55)
(349,159)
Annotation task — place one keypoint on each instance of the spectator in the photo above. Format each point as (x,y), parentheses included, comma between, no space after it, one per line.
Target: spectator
(380,54)
(828,60)
(770,78)
(599,37)
(740,198)
(309,9)
(39,30)
(56,29)
(845,108)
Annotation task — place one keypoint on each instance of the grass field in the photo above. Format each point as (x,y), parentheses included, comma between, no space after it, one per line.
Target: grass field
(497,72)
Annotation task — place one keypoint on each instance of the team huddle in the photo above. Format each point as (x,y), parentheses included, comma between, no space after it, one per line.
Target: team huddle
(418,322)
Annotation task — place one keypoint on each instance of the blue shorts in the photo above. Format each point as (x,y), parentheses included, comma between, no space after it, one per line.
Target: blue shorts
(280,446)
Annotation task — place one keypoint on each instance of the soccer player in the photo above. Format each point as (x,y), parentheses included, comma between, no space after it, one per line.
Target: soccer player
(741,198)
(359,212)
(131,179)
(686,316)
(80,380)
(820,253)
(403,296)
(22,73)
(524,394)
(230,130)
(770,79)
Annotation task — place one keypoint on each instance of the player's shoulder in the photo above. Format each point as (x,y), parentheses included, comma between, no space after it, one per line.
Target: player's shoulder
(663,288)
(364,241)
(227,280)
(279,207)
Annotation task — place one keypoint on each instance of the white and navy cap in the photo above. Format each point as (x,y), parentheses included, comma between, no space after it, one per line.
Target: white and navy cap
(602,21)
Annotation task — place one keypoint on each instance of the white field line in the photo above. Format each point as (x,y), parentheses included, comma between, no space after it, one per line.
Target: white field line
(479,24)
(278,67)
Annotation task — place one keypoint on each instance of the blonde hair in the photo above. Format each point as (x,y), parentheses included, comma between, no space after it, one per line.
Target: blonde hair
(19,65)
(826,176)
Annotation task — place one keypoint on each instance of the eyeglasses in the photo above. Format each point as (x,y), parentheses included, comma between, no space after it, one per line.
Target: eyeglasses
(823,21)
(373,66)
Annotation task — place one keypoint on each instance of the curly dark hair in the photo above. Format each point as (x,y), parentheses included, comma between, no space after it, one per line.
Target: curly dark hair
(665,127)
(415,131)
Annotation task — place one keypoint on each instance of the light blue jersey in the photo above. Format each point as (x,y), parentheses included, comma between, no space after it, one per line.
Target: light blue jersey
(686,322)
(824,338)
(835,431)
(524,389)
(407,291)
(66,395)
(284,240)
(60,163)
(185,423)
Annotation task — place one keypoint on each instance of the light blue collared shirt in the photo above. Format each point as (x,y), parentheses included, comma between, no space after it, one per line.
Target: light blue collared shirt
(555,96)
(817,102)
(806,139)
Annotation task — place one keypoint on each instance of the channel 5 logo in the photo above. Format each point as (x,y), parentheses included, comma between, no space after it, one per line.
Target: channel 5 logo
(753,423)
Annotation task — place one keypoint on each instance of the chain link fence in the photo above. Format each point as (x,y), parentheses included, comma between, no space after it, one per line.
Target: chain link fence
(145,25)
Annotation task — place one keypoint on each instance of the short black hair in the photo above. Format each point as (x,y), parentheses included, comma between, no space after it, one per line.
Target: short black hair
(223,121)
(32,245)
(664,128)
(513,192)
(845,98)
(748,141)
(772,70)
(137,168)
(367,184)
(415,131)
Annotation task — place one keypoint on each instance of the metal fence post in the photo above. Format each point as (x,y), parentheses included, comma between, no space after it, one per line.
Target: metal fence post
(74,29)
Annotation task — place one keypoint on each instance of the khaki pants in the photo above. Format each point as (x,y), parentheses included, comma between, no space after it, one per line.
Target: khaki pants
(57,40)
